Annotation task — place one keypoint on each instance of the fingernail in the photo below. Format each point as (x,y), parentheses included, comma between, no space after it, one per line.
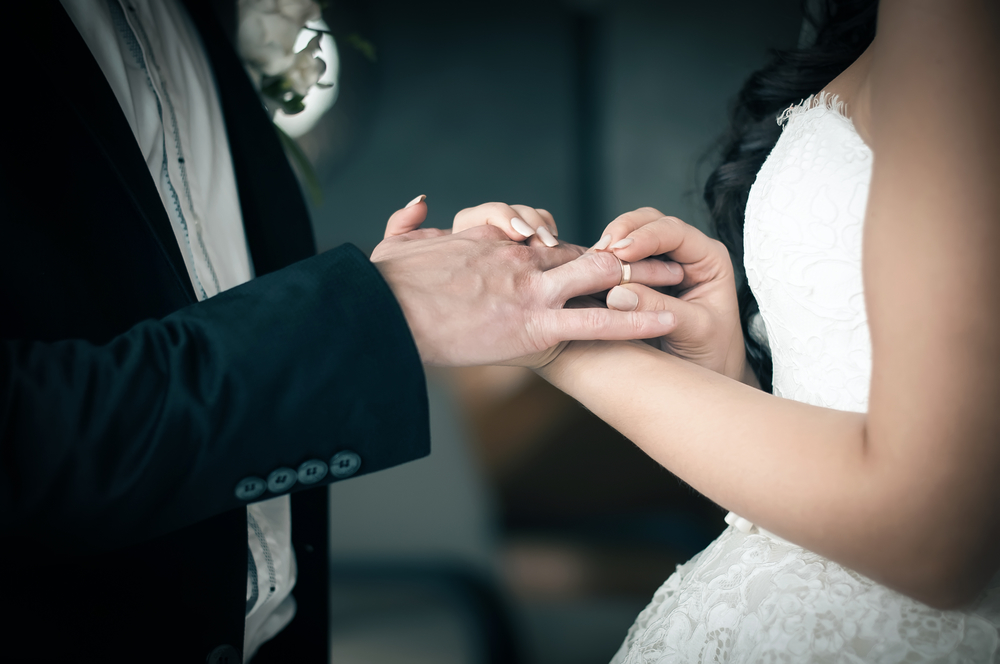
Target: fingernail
(418,199)
(621,244)
(554,231)
(665,318)
(622,299)
(546,237)
(674,268)
(603,243)
(521,227)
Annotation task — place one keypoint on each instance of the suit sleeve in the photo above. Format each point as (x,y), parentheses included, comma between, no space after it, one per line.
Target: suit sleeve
(107,444)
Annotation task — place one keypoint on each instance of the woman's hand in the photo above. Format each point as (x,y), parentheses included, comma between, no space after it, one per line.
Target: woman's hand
(708,330)
(518,222)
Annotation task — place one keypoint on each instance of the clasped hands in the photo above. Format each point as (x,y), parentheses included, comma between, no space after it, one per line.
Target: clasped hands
(498,288)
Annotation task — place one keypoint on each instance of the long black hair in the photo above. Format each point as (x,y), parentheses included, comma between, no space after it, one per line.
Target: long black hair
(842,30)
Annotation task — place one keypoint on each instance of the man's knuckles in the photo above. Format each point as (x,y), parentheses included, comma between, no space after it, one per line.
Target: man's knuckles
(515,253)
(604,264)
(485,232)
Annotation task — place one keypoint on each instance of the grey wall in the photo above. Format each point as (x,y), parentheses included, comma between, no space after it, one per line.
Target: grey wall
(479,102)
(673,69)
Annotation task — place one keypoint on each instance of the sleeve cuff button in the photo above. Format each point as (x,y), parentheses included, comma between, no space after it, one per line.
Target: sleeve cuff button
(281,480)
(250,487)
(312,471)
(344,464)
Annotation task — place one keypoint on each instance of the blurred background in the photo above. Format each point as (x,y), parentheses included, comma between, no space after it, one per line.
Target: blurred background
(533,533)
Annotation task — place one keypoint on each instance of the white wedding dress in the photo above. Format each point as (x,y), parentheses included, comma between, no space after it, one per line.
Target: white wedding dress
(751,596)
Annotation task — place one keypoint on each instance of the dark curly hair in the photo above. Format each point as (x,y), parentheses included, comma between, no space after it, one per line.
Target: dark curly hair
(843,29)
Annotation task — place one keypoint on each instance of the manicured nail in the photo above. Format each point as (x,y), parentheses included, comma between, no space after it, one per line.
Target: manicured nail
(418,199)
(674,268)
(603,243)
(521,227)
(554,231)
(665,318)
(622,299)
(621,244)
(546,237)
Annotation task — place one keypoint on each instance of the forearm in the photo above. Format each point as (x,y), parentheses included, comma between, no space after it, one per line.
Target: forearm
(153,431)
(806,473)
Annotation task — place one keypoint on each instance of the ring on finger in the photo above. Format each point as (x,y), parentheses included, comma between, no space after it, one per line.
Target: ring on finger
(626,271)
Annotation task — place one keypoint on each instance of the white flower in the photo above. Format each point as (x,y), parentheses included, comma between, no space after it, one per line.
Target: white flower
(267,32)
(307,69)
(299,11)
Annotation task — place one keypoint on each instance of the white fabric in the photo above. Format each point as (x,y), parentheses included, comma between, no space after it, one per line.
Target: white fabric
(750,596)
(272,572)
(153,59)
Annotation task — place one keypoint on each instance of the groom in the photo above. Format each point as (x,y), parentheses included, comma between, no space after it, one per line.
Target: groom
(138,419)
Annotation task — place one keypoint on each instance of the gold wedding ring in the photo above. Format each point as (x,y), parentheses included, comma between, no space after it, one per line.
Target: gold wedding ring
(626,271)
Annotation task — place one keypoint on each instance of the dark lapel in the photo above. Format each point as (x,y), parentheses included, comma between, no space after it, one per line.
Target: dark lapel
(91,98)
(275,216)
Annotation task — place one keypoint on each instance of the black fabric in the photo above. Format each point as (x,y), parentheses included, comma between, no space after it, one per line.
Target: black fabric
(265,176)
(129,412)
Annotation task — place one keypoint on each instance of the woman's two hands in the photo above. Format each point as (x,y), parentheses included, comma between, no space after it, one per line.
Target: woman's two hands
(704,303)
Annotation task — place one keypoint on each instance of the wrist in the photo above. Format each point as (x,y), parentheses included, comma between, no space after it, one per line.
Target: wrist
(738,365)
(558,367)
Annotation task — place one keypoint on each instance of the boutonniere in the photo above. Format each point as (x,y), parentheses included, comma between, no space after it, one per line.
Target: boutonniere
(268,30)
(266,37)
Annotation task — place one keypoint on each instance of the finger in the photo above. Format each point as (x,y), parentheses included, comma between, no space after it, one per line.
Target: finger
(500,215)
(656,272)
(692,320)
(386,246)
(596,323)
(408,219)
(636,297)
(545,218)
(669,236)
(419,234)
(599,271)
(531,217)
(550,221)
(552,257)
(625,224)
(544,258)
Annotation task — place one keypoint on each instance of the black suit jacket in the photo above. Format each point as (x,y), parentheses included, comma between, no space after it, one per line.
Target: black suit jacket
(129,412)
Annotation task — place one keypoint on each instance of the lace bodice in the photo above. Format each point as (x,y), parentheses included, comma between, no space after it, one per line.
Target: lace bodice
(802,252)
(753,597)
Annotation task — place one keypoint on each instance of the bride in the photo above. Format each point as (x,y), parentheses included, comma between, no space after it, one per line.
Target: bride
(865,492)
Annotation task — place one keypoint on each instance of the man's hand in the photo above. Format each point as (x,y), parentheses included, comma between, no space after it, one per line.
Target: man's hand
(477,297)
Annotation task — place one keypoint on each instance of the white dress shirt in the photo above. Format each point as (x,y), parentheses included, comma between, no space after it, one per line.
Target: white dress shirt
(154,61)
